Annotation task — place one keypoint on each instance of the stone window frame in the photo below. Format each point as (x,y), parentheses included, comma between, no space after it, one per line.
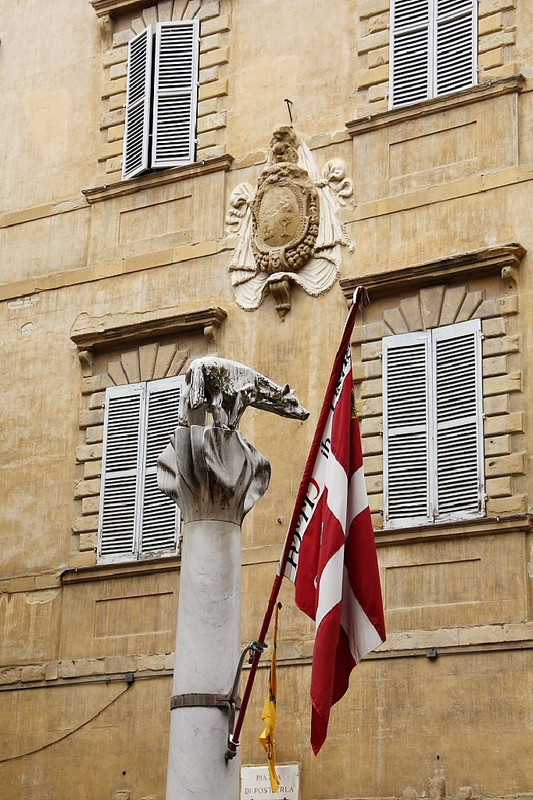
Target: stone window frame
(149,348)
(416,399)
(409,289)
(495,50)
(119,21)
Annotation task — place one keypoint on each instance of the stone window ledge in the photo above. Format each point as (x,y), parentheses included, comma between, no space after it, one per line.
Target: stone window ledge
(503,259)
(481,91)
(159,178)
(130,569)
(485,526)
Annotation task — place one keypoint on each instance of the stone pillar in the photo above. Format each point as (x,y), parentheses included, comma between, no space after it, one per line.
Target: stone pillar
(215,476)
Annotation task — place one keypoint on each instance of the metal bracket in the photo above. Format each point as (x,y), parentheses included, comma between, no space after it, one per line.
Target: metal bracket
(228,702)
(196,700)
(250,649)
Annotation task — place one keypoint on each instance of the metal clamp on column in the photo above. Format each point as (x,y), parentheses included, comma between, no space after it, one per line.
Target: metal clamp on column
(227,702)
(200,699)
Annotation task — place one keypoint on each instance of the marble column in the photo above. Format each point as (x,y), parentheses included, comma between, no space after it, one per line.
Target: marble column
(215,476)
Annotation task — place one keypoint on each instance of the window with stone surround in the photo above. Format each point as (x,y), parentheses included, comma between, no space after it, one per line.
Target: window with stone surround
(433,49)
(495,51)
(121,21)
(136,520)
(477,290)
(433,425)
(132,373)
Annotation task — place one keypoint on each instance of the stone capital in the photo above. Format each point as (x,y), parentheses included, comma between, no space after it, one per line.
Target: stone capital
(212,473)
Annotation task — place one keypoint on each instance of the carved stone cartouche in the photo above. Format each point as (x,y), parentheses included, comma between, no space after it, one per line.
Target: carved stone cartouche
(289,229)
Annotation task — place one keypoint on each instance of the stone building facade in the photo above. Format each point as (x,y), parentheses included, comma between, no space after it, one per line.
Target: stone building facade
(121,282)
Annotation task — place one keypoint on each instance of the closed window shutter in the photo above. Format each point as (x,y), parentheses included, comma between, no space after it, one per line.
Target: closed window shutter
(175,93)
(160,515)
(411,54)
(138,97)
(120,467)
(455,45)
(406,427)
(433,48)
(433,425)
(459,420)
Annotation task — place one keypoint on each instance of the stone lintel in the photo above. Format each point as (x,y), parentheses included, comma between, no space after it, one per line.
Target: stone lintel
(502,259)
(114,7)
(159,178)
(482,91)
(89,332)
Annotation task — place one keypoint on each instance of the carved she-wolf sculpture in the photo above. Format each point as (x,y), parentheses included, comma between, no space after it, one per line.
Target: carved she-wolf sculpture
(226,388)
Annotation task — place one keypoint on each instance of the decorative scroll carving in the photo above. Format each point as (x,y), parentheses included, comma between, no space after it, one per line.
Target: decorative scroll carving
(289,230)
(86,361)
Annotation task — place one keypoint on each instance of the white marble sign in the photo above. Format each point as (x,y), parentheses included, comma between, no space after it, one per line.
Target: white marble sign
(255,783)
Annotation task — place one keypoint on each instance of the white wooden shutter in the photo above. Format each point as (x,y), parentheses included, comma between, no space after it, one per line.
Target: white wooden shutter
(433,48)
(160,515)
(405,428)
(138,103)
(175,93)
(120,467)
(455,46)
(410,51)
(458,425)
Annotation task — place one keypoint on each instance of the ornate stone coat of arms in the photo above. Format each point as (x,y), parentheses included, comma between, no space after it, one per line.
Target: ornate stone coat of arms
(289,230)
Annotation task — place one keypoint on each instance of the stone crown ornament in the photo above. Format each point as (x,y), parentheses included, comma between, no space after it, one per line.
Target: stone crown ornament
(289,230)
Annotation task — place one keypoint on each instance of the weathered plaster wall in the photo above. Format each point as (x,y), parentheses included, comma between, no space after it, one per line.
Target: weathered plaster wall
(79,250)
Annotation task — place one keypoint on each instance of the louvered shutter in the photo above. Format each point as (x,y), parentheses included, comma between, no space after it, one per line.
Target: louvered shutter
(458,420)
(410,51)
(138,103)
(175,93)
(160,515)
(455,51)
(120,467)
(406,428)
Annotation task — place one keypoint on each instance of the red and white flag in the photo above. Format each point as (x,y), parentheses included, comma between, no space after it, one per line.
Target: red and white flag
(332,555)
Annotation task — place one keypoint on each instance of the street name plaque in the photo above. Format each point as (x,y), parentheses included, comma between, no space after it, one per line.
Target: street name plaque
(255,783)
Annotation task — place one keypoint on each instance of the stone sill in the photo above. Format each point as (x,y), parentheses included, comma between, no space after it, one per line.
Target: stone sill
(88,332)
(266,554)
(482,91)
(485,526)
(491,260)
(130,569)
(159,178)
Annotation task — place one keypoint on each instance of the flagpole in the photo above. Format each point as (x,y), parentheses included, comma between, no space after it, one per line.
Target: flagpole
(359,296)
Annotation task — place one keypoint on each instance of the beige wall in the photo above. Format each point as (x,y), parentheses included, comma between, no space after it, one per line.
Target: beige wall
(80,251)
